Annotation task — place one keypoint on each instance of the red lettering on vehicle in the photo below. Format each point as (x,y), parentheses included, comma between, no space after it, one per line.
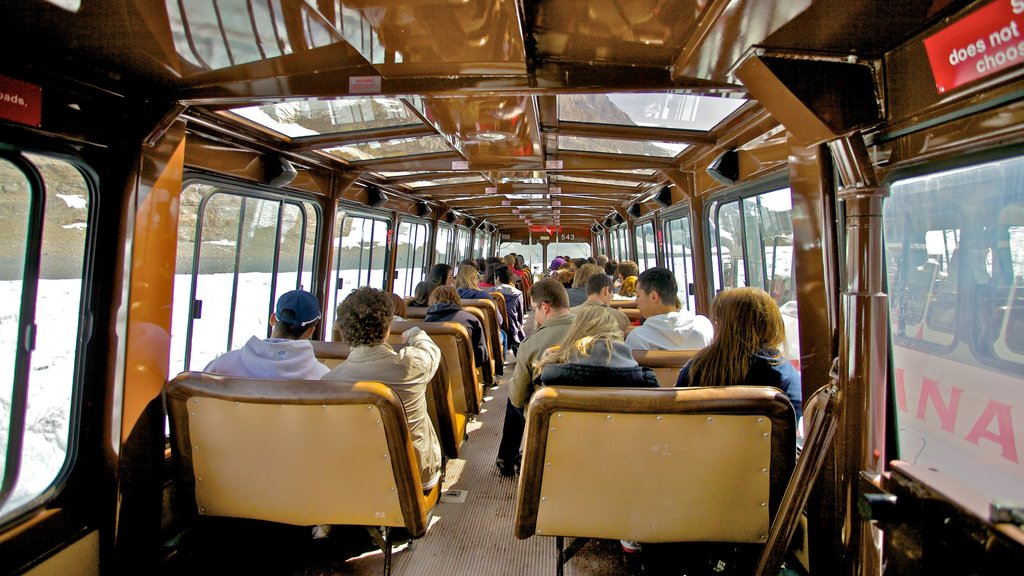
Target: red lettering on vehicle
(901,391)
(947,412)
(1004,437)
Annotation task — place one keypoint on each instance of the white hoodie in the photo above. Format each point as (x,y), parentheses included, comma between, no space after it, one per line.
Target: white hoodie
(276,358)
(679,330)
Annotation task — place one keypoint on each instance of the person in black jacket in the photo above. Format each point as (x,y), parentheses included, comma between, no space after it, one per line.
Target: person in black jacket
(446,306)
(593,353)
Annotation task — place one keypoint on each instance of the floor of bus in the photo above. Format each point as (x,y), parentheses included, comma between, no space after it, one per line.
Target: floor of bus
(467,536)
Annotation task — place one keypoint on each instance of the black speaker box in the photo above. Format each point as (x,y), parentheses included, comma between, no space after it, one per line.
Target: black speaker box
(421,209)
(725,168)
(375,197)
(663,197)
(634,210)
(278,172)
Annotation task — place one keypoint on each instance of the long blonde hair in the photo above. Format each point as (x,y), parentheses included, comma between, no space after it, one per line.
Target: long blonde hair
(584,273)
(468,277)
(593,324)
(747,321)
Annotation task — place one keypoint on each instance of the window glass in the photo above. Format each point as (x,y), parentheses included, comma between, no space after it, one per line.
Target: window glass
(361,245)
(679,249)
(411,260)
(570,249)
(955,261)
(729,272)
(533,254)
(251,250)
(443,246)
(48,378)
(646,255)
(461,245)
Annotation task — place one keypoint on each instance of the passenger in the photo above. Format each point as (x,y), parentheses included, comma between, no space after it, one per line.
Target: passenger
(517,269)
(556,263)
(439,275)
(421,295)
(287,354)
(514,307)
(599,293)
(610,267)
(468,284)
(364,319)
(666,327)
(747,349)
(551,309)
(446,306)
(488,278)
(566,274)
(400,311)
(578,263)
(480,264)
(578,292)
(594,354)
(601,260)
(625,278)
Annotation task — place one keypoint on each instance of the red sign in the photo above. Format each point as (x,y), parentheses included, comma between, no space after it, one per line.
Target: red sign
(987,41)
(545,229)
(20,102)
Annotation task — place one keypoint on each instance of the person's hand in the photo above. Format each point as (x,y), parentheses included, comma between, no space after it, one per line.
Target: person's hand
(408,334)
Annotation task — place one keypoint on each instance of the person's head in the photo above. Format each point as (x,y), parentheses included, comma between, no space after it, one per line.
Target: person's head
(626,268)
(364,317)
(610,267)
(591,260)
(296,316)
(445,294)
(592,324)
(440,275)
(556,263)
(549,299)
(747,321)
(601,260)
(493,260)
(656,292)
(468,277)
(520,262)
(399,304)
(584,274)
(489,273)
(481,265)
(421,294)
(502,275)
(628,287)
(579,262)
(599,287)
(509,260)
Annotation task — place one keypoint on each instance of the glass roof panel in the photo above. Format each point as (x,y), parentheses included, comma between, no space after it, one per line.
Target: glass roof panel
(617,146)
(444,181)
(390,148)
(661,110)
(603,181)
(311,117)
(397,174)
(642,171)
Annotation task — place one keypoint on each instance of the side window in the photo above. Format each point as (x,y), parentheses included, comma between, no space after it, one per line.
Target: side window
(954,245)
(679,250)
(411,260)
(236,254)
(646,252)
(45,215)
(461,245)
(443,246)
(361,249)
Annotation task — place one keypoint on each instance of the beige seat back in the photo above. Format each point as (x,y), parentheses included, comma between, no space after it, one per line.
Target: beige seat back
(485,372)
(297,452)
(616,303)
(453,340)
(632,313)
(665,363)
(499,300)
(491,327)
(655,465)
(415,312)
(448,422)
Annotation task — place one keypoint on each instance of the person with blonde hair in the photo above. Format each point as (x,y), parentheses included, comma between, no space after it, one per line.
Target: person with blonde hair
(747,348)
(625,275)
(593,353)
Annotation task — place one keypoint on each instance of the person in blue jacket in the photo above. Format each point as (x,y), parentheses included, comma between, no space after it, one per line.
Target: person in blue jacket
(747,347)
(446,306)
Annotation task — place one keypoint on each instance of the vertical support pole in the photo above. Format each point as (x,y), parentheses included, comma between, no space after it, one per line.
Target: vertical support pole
(323,283)
(560,545)
(863,352)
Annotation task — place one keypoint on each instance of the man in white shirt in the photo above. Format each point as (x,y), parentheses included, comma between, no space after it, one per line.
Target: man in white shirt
(287,354)
(666,326)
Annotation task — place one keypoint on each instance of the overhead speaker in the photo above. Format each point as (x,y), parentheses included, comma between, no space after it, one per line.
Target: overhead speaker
(375,197)
(450,218)
(608,222)
(421,209)
(663,197)
(470,222)
(618,218)
(634,210)
(278,172)
(725,168)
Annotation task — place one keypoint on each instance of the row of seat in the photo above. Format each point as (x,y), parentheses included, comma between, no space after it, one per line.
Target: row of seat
(694,464)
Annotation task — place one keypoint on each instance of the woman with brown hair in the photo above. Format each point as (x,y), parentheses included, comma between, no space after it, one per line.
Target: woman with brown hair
(446,306)
(747,348)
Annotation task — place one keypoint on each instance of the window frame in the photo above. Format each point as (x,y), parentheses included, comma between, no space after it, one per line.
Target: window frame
(415,222)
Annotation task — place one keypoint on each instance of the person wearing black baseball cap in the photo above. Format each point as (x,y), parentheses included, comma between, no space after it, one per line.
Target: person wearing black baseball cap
(287,354)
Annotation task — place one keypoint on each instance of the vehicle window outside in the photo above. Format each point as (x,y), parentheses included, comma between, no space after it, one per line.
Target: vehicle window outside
(361,246)
(51,377)
(251,251)
(646,252)
(729,264)
(955,262)
(443,246)
(533,254)
(461,245)
(411,259)
(679,250)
